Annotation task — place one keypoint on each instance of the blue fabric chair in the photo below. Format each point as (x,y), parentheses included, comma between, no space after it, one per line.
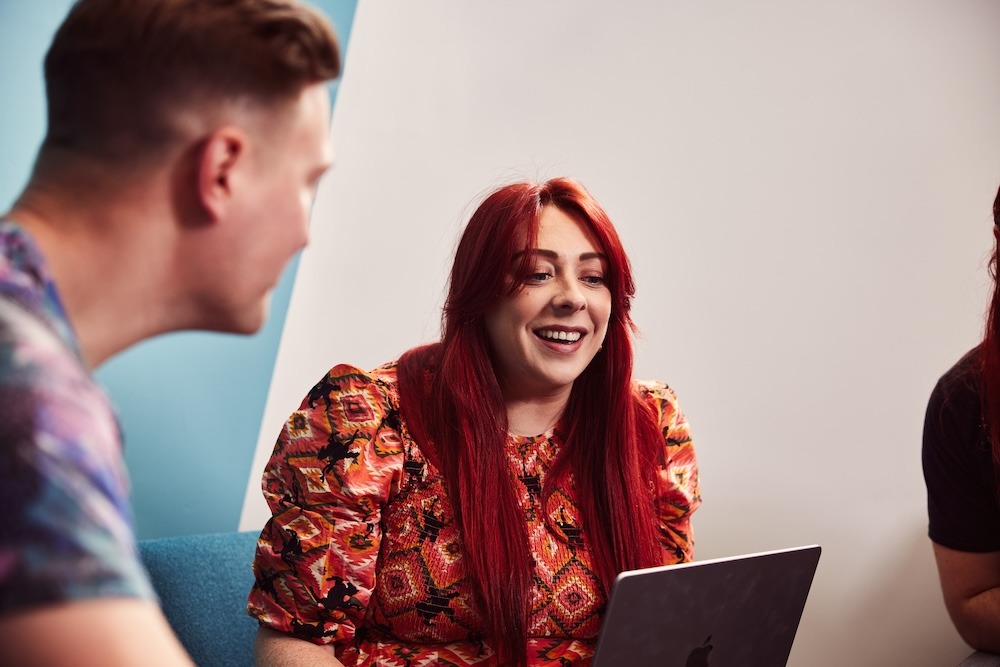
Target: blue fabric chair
(203,582)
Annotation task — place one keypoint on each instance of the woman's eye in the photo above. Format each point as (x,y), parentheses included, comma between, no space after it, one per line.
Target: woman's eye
(539,276)
(594,280)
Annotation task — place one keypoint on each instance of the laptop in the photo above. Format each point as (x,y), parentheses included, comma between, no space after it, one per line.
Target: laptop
(741,611)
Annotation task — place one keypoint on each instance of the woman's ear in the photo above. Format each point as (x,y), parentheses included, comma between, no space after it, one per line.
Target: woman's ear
(222,152)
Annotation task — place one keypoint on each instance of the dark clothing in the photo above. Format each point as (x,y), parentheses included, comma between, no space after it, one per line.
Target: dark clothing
(963,499)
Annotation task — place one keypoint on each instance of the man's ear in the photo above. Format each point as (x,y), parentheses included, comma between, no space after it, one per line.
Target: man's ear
(221,154)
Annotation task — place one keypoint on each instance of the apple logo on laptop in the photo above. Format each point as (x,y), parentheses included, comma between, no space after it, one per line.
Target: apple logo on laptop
(699,655)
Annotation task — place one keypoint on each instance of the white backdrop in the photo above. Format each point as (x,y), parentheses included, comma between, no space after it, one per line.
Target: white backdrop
(805,192)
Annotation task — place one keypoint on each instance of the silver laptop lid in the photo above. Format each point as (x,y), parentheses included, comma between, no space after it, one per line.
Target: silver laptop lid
(740,611)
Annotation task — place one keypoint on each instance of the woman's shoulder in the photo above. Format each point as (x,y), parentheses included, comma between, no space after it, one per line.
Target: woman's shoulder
(351,374)
(346,384)
(963,375)
(656,392)
(958,387)
(662,401)
(954,409)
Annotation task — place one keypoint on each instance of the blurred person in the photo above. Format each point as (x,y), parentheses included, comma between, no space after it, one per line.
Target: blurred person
(184,144)
(961,462)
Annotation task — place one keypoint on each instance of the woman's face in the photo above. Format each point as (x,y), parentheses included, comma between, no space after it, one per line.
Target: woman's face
(546,334)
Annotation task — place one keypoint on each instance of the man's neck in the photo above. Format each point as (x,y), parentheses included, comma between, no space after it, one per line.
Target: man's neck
(109,256)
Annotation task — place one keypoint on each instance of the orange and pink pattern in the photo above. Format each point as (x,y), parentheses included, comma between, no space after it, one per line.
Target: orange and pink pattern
(363,549)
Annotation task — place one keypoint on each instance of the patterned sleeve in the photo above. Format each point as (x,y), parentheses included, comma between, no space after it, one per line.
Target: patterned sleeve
(336,463)
(679,490)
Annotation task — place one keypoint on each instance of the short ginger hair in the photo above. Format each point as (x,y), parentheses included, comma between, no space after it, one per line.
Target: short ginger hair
(119,73)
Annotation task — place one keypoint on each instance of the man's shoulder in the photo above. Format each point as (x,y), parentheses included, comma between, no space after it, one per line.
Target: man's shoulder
(33,357)
(23,273)
(26,280)
(67,528)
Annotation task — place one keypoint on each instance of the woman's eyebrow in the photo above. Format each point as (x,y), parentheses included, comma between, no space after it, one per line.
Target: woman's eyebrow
(552,254)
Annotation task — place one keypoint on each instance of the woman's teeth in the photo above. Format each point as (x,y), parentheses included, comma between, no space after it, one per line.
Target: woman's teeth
(560,336)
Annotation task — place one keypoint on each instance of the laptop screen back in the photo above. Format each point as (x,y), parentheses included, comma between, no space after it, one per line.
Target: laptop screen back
(728,611)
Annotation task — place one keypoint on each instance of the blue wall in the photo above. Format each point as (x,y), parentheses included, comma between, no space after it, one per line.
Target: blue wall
(25,31)
(190,403)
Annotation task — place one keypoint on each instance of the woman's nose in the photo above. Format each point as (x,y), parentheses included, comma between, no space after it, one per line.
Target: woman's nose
(570,297)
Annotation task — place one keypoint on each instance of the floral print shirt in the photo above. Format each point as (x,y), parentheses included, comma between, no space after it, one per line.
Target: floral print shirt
(363,549)
(65,520)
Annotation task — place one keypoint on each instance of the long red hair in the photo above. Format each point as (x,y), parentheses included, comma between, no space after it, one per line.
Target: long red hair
(989,350)
(451,399)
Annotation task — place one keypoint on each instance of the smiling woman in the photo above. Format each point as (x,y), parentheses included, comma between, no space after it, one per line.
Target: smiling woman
(546,333)
(473,503)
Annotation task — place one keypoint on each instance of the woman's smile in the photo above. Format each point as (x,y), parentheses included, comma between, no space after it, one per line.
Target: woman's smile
(546,334)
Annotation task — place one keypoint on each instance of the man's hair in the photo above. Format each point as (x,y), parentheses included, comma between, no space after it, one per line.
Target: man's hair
(121,73)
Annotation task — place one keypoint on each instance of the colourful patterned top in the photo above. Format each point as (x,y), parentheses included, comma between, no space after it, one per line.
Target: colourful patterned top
(363,549)
(65,521)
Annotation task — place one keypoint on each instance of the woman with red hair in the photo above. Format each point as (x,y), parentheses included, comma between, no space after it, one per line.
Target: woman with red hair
(961,460)
(473,503)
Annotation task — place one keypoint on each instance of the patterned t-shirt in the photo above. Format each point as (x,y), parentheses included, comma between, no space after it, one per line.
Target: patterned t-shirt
(363,549)
(65,521)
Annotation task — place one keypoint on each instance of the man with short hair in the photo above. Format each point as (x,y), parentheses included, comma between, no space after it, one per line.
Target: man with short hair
(185,142)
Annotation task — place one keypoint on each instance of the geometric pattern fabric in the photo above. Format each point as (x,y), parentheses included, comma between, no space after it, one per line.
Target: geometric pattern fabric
(363,549)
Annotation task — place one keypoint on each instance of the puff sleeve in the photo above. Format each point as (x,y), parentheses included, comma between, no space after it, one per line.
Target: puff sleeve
(679,490)
(336,463)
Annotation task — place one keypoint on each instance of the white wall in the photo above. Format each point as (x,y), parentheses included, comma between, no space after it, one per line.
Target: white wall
(805,192)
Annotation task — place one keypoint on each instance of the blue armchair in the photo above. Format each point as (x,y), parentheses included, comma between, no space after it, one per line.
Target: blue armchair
(203,582)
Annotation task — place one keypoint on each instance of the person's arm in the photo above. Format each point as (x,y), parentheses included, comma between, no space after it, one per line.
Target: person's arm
(274,649)
(109,632)
(72,588)
(326,483)
(963,519)
(970,583)
(680,491)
